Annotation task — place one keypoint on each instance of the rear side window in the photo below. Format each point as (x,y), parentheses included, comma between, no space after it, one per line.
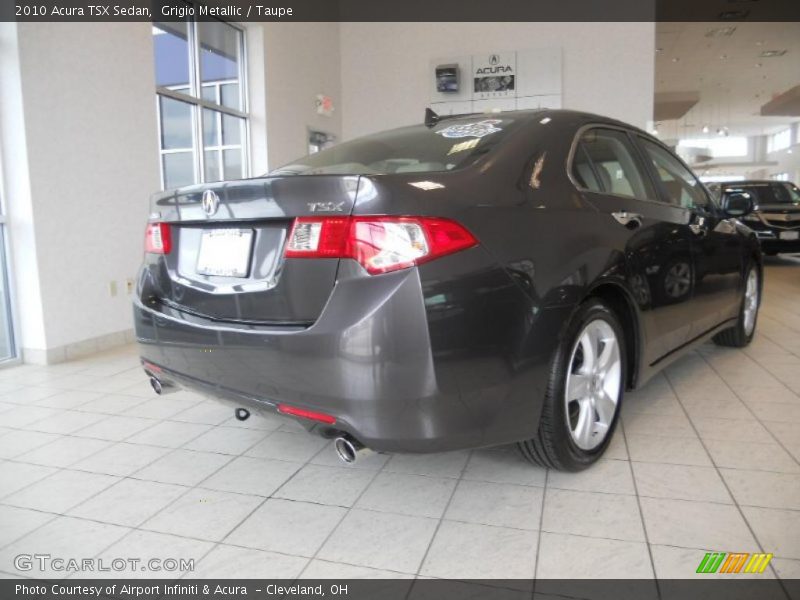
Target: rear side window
(604,162)
(680,185)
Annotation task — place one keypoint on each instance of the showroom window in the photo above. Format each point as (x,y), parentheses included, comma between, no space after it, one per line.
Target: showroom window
(719,147)
(201,102)
(779,141)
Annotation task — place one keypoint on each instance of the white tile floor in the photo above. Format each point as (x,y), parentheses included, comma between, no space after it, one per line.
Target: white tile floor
(707,458)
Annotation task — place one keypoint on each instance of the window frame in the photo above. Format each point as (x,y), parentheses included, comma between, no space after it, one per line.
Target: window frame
(639,137)
(636,155)
(199,105)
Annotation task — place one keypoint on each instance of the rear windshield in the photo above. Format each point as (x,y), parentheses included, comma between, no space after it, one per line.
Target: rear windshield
(451,144)
(769,193)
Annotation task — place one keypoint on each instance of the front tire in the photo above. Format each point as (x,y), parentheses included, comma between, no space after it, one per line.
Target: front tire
(584,392)
(741,334)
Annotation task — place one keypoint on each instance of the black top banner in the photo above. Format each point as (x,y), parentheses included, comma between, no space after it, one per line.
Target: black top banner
(401,10)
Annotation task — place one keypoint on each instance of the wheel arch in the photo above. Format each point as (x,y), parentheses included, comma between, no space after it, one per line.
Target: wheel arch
(622,303)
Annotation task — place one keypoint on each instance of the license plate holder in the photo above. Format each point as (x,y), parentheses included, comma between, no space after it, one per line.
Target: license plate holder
(789,235)
(225,252)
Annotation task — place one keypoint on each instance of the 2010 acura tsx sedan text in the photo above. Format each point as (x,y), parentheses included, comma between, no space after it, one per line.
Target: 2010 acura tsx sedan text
(467,282)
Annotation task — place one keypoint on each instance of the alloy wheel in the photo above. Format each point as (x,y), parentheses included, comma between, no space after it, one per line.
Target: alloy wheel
(750,301)
(593,386)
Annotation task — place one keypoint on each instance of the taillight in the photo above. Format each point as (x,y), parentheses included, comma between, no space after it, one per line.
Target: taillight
(379,244)
(158,239)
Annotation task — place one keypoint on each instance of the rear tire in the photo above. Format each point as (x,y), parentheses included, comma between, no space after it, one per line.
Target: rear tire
(741,334)
(584,392)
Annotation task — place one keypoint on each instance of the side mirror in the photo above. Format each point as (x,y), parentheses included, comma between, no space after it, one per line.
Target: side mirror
(737,204)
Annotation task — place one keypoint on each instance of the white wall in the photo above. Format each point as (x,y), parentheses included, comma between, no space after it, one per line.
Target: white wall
(301,61)
(608,67)
(89,140)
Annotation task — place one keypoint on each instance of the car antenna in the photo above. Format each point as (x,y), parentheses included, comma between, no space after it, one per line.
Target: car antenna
(431,118)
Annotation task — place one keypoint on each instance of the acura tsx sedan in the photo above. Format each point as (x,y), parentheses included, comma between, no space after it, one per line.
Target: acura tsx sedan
(467,282)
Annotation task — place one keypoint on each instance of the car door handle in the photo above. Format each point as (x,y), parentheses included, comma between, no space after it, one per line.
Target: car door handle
(628,219)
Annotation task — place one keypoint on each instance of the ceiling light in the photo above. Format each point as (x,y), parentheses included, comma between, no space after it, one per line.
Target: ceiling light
(789,151)
(772,53)
(706,129)
(659,50)
(758,65)
(675,59)
(723,56)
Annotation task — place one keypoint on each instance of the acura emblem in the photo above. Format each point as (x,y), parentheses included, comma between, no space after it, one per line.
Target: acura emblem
(210,202)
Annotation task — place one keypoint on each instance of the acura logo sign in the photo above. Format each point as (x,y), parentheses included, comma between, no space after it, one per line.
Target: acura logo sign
(210,202)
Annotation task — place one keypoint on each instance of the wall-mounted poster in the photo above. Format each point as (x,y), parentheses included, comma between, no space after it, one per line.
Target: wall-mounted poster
(494,75)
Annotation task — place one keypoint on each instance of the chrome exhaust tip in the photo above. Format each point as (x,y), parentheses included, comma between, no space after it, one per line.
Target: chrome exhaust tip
(161,388)
(349,450)
(156,385)
(242,414)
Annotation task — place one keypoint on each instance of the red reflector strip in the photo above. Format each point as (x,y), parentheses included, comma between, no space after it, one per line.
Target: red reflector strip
(306,414)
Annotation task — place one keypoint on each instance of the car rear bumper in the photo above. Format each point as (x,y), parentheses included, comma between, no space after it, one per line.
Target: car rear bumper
(368,361)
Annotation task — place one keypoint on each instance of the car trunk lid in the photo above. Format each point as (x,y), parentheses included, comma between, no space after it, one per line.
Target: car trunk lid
(227,258)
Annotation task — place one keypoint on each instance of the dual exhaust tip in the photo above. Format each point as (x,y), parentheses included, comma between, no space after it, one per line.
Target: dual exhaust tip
(162,387)
(349,450)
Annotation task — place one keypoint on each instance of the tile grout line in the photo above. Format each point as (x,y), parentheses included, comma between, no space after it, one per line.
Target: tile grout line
(61,514)
(189,489)
(750,410)
(721,477)
(641,512)
(523,486)
(120,480)
(444,512)
(341,520)
(539,538)
(244,547)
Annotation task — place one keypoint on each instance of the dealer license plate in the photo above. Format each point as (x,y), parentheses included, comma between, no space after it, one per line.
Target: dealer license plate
(225,252)
(789,235)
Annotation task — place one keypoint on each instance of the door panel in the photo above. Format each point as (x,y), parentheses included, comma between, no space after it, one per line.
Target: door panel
(716,248)
(657,237)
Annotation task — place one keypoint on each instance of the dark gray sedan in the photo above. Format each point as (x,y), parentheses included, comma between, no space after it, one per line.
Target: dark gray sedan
(465,282)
